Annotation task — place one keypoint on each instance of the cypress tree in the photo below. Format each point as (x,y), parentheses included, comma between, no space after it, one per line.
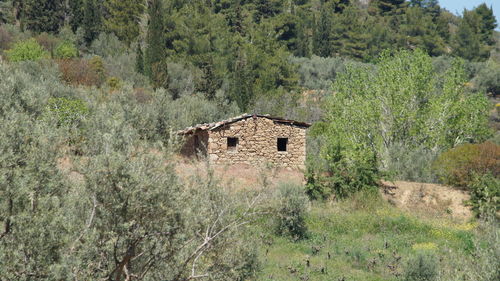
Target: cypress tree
(123,18)
(322,44)
(76,14)
(91,20)
(139,59)
(43,15)
(155,49)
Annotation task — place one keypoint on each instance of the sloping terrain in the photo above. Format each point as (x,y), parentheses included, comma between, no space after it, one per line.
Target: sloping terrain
(427,198)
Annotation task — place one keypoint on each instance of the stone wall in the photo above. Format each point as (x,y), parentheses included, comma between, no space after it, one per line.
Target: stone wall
(195,143)
(257,143)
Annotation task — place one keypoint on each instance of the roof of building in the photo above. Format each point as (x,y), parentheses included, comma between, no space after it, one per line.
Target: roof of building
(215,125)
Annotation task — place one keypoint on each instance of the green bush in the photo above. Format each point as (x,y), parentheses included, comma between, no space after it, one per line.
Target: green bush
(67,111)
(412,164)
(458,166)
(423,267)
(291,212)
(344,175)
(28,50)
(114,83)
(485,195)
(66,50)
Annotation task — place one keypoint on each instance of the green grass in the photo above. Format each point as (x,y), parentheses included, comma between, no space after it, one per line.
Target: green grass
(353,241)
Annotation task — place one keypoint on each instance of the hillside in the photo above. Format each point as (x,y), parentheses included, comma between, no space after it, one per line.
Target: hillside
(93,94)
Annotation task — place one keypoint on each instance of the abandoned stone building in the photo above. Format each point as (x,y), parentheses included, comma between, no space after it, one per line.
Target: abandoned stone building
(249,139)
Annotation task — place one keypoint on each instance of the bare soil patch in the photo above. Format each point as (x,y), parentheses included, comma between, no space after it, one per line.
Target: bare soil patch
(241,176)
(426,198)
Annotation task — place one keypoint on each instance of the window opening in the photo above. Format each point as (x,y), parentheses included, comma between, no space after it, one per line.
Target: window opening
(232,143)
(282,144)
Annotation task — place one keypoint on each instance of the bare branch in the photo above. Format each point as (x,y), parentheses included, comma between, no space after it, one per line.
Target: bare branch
(89,223)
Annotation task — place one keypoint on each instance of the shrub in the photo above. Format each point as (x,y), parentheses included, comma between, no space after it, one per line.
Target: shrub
(423,267)
(411,164)
(114,83)
(67,111)
(78,72)
(48,41)
(485,195)
(28,50)
(291,212)
(97,65)
(66,50)
(344,175)
(5,38)
(458,166)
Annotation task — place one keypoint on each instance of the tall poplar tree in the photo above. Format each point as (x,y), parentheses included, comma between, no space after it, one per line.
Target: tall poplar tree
(123,18)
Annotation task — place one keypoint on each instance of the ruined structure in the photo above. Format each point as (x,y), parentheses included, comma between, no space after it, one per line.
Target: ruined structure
(249,139)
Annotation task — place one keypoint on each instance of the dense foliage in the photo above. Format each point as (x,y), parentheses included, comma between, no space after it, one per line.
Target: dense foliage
(241,49)
(459,166)
(92,92)
(400,104)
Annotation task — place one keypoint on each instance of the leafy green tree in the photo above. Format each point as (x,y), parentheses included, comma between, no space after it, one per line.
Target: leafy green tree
(402,104)
(66,50)
(43,15)
(123,18)
(92,19)
(28,50)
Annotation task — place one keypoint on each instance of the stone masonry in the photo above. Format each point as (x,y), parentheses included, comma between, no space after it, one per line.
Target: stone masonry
(252,140)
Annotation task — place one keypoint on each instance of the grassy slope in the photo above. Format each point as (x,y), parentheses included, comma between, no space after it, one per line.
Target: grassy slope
(366,238)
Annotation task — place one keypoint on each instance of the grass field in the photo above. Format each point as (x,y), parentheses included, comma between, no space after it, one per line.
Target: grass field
(363,238)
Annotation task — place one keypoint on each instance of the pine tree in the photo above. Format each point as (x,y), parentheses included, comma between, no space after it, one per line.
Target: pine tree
(76,10)
(488,23)
(43,15)
(139,60)
(353,39)
(388,7)
(92,19)
(154,66)
(5,11)
(123,18)
(466,41)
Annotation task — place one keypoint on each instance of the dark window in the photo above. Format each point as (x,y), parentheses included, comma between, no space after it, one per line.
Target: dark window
(282,143)
(232,143)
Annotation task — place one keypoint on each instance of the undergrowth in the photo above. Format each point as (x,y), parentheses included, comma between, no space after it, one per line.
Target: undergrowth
(361,238)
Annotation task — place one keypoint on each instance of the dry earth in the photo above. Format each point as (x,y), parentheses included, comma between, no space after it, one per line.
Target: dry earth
(417,198)
(424,198)
(241,176)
